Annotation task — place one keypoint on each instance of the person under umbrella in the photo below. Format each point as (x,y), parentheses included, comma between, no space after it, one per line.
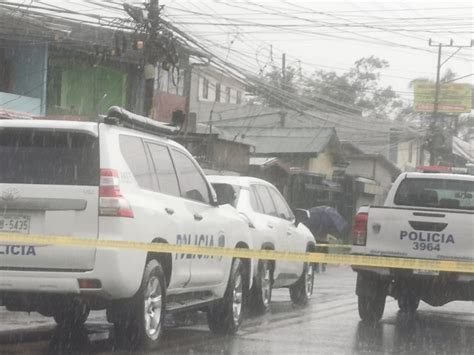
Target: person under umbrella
(324,220)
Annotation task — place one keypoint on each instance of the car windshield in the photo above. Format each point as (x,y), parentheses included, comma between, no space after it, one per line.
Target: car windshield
(438,193)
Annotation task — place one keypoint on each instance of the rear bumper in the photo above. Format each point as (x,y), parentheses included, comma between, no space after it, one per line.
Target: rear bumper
(118,271)
(388,273)
(435,289)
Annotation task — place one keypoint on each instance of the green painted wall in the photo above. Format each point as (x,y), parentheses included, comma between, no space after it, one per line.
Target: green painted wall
(83,86)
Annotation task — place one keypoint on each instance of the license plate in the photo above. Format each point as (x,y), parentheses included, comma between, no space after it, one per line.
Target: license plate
(426,272)
(15,224)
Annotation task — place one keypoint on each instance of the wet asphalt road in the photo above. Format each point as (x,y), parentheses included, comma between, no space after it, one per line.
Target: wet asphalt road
(328,325)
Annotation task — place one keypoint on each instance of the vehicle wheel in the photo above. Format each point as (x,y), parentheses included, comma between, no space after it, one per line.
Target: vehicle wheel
(302,290)
(225,316)
(73,314)
(140,322)
(408,301)
(371,307)
(261,292)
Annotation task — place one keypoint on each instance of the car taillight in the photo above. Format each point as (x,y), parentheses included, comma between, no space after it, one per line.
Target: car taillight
(359,230)
(111,201)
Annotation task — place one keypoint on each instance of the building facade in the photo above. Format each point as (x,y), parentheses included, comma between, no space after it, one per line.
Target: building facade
(197,90)
(63,68)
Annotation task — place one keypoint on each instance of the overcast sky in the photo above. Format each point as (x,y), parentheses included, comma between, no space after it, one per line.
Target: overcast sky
(333,35)
(318,35)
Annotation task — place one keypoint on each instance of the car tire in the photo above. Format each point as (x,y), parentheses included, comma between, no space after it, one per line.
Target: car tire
(261,291)
(73,314)
(140,321)
(408,301)
(371,307)
(225,316)
(302,290)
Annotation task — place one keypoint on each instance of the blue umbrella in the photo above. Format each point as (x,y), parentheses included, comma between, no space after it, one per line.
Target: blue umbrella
(324,220)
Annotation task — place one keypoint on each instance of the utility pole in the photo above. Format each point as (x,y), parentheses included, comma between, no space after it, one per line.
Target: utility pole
(159,46)
(283,70)
(150,59)
(433,129)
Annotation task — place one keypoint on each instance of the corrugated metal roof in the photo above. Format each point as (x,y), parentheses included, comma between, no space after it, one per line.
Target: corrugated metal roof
(280,140)
(222,134)
(261,160)
(369,135)
(463,149)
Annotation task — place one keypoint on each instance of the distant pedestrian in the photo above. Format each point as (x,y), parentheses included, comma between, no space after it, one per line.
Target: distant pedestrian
(324,220)
(321,247)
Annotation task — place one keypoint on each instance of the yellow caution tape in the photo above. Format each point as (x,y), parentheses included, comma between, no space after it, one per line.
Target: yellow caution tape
(354,260)
(335,246)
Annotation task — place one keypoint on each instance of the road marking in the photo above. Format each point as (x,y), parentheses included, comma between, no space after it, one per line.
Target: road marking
(346,259)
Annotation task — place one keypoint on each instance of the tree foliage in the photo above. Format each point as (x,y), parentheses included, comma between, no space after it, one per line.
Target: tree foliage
(278,87)
(359,87)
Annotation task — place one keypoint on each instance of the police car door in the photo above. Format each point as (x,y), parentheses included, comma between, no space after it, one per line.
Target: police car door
(175,220)
(209,223)
(278,228)
(295,242)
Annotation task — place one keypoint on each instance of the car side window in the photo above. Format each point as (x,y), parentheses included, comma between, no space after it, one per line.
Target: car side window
(283,211)
(267,202)
(133,151)
(192,183)
(254,202)
(167,180)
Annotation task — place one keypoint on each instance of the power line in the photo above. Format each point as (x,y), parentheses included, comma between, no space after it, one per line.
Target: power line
(199,13)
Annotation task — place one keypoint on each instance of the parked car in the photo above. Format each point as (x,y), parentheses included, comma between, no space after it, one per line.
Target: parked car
(274,227)
(104,181)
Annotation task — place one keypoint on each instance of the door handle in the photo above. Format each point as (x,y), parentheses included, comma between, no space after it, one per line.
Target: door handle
(169,210)
(197,217)
(289,233)
(270,225)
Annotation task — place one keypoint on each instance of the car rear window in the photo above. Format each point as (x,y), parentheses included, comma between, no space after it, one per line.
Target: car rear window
(33,156)
(439,193)
(225,192)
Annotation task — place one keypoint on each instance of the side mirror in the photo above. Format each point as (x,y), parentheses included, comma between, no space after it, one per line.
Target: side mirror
(301,215)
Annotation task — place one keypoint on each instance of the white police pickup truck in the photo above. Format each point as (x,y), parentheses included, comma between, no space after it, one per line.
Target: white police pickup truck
(118,179)
(426,216)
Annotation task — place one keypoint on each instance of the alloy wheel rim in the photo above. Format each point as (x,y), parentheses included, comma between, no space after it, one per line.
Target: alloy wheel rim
(309,280)
(153,308)
(237,299)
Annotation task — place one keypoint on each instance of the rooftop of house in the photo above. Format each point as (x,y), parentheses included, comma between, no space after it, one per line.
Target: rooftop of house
(368,135)
(463,149)
(280,140)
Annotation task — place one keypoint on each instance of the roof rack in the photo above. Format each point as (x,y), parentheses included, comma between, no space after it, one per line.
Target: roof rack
(469,169)
(119,116)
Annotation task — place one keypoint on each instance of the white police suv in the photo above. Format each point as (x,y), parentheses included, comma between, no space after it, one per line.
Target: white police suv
(274,227)
(117,179)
